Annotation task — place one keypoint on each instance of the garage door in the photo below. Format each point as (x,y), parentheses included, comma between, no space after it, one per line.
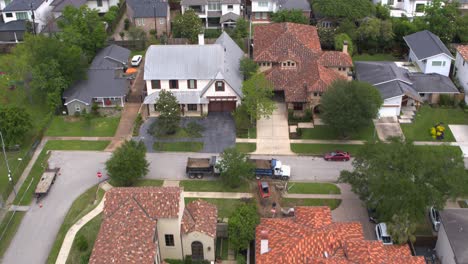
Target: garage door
(225,106)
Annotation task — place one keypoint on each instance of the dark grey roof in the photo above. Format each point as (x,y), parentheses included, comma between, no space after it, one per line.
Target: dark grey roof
(432,83)
(228,17)
(397,88)
(425,44)
(375,72)
(59,5)
(455,223)
(22,5)
(145,8)
(17,25)
(113,51)
(294,4)
(205,2)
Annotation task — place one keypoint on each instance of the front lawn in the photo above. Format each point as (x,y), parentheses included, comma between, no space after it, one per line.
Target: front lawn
(291,202)
(86,237)
(146,182)
(248,133)
(320,149)
(374,57)
(246,147)
(77,145)
(325,132)
(313,188)
(225,206)
(426,117)
(212,186)
(185,146)
(68,126)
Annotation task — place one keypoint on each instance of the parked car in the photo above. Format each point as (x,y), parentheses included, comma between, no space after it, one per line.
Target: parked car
(337,155)
(136,60)
(435,218)
(382,234)
(264,189)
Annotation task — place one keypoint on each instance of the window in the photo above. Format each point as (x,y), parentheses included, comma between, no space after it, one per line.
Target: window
(230,7)
(422,94)
(9,14)
(169,240)
(420,8)
(264,15)
(391,2)
(257,15)
(156,84)
(192,107)
(214,6)
(463,63)
(77,108)
(192,84)
(219,86)
(263,3)
(288,64)
(173,84)
(436,63)
(99,2)
(21,15)
(161,21)
(298,106)
(140,21)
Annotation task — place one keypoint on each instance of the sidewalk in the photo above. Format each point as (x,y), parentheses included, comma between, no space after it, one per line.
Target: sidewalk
(318,141)
(312,196)
(217,195)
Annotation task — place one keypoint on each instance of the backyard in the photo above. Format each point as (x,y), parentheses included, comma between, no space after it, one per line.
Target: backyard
(374,57)
(70,126)
(225,206)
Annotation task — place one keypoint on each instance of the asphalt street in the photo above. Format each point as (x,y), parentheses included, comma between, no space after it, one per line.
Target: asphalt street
(39,227)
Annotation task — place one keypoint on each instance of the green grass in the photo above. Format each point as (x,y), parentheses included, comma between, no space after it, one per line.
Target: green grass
(187,146)
(62,126)
(313,188)
(180,133)
(249,133)
(212,186)
(89,232)
(222,247)
(374,57)
(137,52)
(77,145)
(80,207)
(291,202)
(145,182)
(326,133)
(454,149)
(426,117)
(10,231)
(225,206)
(320,149)
(246,147)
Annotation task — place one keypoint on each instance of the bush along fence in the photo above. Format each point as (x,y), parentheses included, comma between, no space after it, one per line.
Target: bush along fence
(122,8)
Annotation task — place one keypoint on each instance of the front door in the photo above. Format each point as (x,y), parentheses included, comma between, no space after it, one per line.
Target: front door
(197,251)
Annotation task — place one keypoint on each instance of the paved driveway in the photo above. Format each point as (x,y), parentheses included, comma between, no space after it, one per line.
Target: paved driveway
(387,127)
(220,132)
(273,133)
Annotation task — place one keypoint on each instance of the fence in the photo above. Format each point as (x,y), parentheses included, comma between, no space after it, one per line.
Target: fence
(6,47)
(129,44)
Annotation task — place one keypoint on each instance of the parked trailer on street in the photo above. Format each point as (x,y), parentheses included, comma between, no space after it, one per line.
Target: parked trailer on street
(198,168)
(44,185)
(271,168)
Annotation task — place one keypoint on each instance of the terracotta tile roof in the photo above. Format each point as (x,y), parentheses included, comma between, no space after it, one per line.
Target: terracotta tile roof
(200,216)
(279,42)
(463,49)
(306,237)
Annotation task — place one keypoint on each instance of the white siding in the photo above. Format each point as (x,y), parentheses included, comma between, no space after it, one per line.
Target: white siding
(41,15)
(462,71)
(270,8)
(413,58)
(443,70)
(106,4)
(207,241)
(235,9)
(443,248)
(391,107)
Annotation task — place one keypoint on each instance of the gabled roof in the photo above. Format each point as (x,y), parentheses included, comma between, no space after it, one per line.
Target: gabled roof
(59,5)
(455,222)
(113,51)
(229,17)
(425,44)
(398,88)
(146,8)
(376,72)
(463,50)
(13,26)
(432,83)
(335,59)
(22,5)
(294,4)
(200,216)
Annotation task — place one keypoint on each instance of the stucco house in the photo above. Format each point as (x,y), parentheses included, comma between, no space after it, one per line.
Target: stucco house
(261,10)
(215,14)
(452,238)
(105,84)
(38,11)
(203,78)
(461,68)
(405,8)
(291,58)
(429,52)
(146,225)
(311,236)
(143,13)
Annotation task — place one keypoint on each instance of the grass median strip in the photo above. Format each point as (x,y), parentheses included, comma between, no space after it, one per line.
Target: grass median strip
(325,132)
(83,243)
(291,202)
(65,126)
(145,182)
(313,188)
(246,147)
(225,206)
(320,149)
(185,146)
(212,186)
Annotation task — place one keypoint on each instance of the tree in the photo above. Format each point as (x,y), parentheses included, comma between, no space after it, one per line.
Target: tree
(188,25)
(382,11)
(235,167)
(248,67)
(326,37)
(339,41)
(169,113)
(462,28)
(350,106)
(258,94)
(128,163)
(402,229)
(242,28)
(111,15)
(342,9)
(241,226)
(15,122)
(402,27)
(82,27)
(375,33)
(291,15)
(136,33)
(349,28)
(400,180)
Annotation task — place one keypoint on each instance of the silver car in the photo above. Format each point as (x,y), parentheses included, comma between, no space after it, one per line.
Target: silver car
(435,218)
(136,60)
(382,234)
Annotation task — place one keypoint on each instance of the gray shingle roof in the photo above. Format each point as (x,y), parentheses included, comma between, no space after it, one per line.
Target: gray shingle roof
(113,51)
(59,5)
(145,8)
(17,25)
(228,17)
(432,83)
(205,2)
(455,222)
(375,72)
(425,44)
(294,4)
(183,97)
(22,5)
(397,88)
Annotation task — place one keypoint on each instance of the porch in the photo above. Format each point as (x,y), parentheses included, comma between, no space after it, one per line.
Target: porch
(110,101)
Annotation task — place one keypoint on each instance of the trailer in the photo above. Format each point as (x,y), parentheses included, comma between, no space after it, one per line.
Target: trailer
(271,168)
(200,167)
(45,183)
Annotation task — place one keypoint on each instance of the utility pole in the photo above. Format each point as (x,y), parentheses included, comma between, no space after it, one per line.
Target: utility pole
(10,179)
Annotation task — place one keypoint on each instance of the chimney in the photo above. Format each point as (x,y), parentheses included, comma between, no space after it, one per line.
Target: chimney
(201,39)
(264,242)
(345,47)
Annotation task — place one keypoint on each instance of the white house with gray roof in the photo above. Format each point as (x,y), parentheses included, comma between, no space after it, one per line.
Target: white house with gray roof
(24,9)
(452,238)
(203,78)
(261,10)
(429,53)
(405,8)
(215,13)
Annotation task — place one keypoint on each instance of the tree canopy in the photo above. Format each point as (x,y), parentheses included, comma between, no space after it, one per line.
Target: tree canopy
(350,106)
(258,94)
(376,34)
(241,226)
(441,19)
(15,122)
(169,113)
(339,41)
(235,167)
(248,67)
(188,25)
(350,9)
(401,180)
(291,15)
(128,163)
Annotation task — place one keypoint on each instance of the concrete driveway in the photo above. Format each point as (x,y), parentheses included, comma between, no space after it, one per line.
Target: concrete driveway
(273,133)
(220,132)
(460,132)
(387,127)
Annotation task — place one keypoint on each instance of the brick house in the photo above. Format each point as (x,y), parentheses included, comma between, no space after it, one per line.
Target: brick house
(312,237)
(143,14)
(146,225)
(291,58)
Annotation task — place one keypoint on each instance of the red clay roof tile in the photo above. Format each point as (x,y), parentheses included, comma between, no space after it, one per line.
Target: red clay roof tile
(463,49)
(200,216)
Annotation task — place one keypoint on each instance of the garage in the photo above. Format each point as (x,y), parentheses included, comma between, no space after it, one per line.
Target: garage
(222,106)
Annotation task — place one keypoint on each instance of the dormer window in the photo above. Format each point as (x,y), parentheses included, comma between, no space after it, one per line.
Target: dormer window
(288,64)
(264,64)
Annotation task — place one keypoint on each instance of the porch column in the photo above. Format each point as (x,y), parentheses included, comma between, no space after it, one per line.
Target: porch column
(121,101)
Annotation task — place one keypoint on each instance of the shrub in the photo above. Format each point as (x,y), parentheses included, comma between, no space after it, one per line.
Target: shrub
(194,129)
(126,24)
(82,243)
(95,109)
(446,100)
(85,258)
(138,122)
(152,32)
(242,119)
(212,33)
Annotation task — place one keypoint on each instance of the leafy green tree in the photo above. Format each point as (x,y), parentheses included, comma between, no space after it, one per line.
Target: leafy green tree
(136,33)
(169,113)
(342,9)
(382,11)
(339,41)
(462,28)
(350,106)
(241,226)
(15,122)
(248,67)
(188,25)
(235,167)
(402,27)
(326,37)
(242,28)
(292,15)
(128,163)
(402,229)
(84,28)
(349,28)
(399,178)
(258,94)
(375,34)
(111,15)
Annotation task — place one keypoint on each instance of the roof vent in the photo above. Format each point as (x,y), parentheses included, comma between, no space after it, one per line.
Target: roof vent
(264,246)
(325,254)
